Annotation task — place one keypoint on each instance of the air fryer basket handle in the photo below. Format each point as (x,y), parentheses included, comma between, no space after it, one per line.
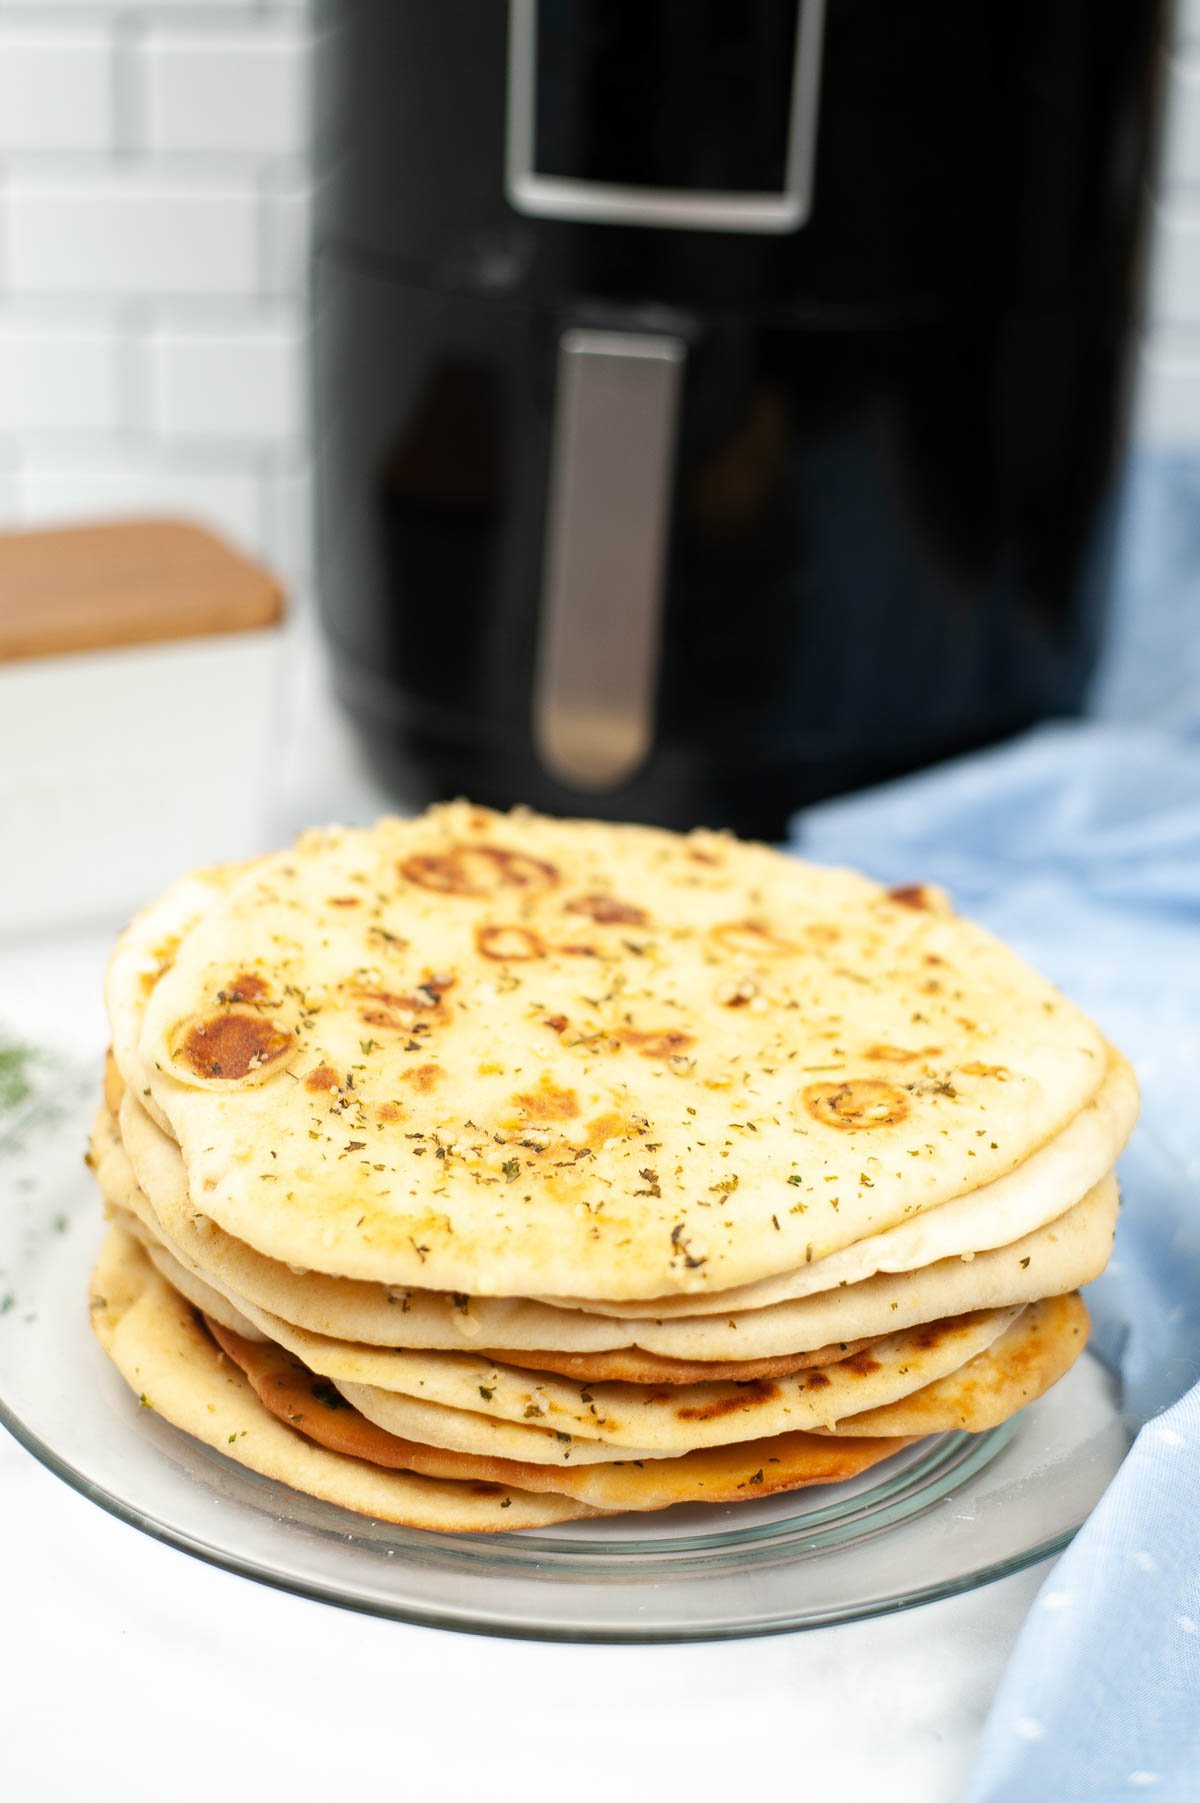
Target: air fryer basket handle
(611,487)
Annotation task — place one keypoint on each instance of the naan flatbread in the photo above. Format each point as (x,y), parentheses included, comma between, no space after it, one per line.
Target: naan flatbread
(743,1473)
(193,1289)
(169,1362)
(535,1168)
(516,1056)
(143,953)
(128,1205)
(1062,1256)
(633,1366)
(1041,1190)
(1037,1350)
(667,1419)
(1018,1366)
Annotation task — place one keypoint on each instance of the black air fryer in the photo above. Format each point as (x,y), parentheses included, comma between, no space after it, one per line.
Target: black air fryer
(719,402)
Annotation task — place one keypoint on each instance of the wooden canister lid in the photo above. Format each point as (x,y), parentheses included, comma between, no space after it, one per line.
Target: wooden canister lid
(128,582)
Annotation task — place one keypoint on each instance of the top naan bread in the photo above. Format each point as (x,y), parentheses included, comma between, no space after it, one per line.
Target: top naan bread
(146,949)
(506,1055)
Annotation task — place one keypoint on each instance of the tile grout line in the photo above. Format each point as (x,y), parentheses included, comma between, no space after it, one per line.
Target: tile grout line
(128,89)
(5,245)
(135,367)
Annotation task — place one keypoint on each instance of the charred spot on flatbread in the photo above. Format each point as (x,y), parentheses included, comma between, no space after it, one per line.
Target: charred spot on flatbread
(744,1396)
(860,1102)
(914,895)
(738,995)
(232,1047)
(478,870)
(932,1333)
(247,986)
(509,944)
(608,910)
(424,1078)
(547,1103)
(603,1128)
(668,1042)
(322,1077)
(399,1009)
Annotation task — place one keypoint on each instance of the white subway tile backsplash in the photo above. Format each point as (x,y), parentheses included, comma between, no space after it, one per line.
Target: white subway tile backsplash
(289,525)
(56,89)
(48,492)
(1168,390)
(246,383)
(58,379)
(1175,268)
(244,91)
(136,234)
(1187,20)
(226,10)
(286,222)
(1181,140)
(155,204)
(154,219)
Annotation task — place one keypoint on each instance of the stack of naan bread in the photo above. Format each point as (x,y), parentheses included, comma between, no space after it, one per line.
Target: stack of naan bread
(479,1171)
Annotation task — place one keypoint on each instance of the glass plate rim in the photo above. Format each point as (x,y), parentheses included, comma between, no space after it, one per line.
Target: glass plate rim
(467,1621)
(470,1621)
(490,1616)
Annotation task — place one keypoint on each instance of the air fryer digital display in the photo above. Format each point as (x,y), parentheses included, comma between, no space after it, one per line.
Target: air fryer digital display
(685,113)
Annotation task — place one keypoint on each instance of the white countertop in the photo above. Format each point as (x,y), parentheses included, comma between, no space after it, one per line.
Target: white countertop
(130,1671)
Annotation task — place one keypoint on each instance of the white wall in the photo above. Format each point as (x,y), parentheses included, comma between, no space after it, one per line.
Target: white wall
(1169,395)
(153,241)
(153,244)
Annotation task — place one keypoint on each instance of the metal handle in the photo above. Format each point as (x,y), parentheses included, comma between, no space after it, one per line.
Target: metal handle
(611,483)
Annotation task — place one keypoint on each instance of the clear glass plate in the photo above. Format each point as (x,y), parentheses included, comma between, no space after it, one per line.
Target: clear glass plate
(946,1515)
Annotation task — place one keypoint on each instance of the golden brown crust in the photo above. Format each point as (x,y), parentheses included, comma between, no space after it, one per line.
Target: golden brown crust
(172,1365)
(744,1473)
(114,1085)
(631,1365)
(1038,1350)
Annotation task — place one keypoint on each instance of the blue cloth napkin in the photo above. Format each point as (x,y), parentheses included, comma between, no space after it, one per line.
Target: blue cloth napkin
(1080,845)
